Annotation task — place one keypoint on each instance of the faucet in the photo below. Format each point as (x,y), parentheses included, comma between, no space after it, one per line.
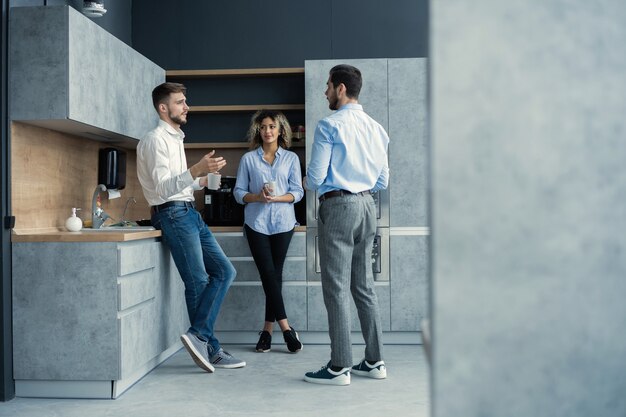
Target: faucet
(130,200)
(98,216)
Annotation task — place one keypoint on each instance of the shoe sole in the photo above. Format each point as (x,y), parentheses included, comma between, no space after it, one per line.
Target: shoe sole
(297,350)
(263,351)
(230,366)
(195,355)
(374,373)
(322,381)
(301,345)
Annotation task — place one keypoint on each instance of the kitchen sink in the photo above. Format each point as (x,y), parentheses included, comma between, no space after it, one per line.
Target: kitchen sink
(118,228)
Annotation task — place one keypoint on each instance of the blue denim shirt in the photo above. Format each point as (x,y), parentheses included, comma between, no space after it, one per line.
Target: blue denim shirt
(253,173)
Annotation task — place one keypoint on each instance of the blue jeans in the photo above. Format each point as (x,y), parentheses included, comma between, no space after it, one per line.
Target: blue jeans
(204,268)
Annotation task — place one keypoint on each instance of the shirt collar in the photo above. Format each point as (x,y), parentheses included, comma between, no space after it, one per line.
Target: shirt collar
(259,151)
(176,133)
(351,106)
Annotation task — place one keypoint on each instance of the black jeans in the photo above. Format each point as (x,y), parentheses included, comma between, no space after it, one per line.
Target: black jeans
(269,253)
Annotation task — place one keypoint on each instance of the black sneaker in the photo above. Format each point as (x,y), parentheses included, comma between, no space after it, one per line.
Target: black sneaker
(265,342)
(293,342)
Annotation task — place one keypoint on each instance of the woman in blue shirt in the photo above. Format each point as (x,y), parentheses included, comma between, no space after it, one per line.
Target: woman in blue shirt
(269,182)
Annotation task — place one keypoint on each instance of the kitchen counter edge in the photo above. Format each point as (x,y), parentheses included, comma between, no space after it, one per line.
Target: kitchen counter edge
(56,235)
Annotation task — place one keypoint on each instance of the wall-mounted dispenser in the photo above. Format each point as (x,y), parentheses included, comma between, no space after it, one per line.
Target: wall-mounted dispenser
(112,168)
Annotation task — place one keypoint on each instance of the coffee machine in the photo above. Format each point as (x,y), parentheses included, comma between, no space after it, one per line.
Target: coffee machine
(220,207)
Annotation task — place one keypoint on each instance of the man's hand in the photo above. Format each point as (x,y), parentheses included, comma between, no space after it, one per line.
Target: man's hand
(207,164)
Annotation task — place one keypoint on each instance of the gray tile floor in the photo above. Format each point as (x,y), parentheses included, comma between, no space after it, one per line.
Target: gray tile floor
(270,385)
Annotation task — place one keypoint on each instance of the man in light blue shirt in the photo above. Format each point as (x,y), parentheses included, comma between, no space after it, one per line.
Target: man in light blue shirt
(348,162)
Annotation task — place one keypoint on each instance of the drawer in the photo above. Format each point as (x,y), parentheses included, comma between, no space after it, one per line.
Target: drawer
(236,245)
(138,337)
(136,288)
(136,257)
(294,269)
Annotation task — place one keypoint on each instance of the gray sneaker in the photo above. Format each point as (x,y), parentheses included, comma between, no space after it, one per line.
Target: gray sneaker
(223,359)
(198,351)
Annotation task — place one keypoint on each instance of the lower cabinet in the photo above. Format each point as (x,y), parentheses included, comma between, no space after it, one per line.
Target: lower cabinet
(92,318)
(244,306)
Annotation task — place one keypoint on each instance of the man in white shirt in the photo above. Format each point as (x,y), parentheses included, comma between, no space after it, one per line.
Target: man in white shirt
(348,163)
(168,186)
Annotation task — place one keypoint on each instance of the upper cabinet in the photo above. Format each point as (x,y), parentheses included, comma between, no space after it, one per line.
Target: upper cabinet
(70,75)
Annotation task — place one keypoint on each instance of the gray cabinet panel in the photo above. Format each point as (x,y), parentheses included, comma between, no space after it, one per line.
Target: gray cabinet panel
(70,75)
(137,338)
(409,281)
(65,307)
(293,270)
(136,288)
(236,245)
(83,322)
(408,147)
(318,318)
(244,308)
(134,257)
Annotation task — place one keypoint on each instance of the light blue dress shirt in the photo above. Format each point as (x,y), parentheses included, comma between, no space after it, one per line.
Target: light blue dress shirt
(349,153)
(253,173)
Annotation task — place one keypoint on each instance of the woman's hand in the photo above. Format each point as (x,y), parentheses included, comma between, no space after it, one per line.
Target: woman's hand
(264,196)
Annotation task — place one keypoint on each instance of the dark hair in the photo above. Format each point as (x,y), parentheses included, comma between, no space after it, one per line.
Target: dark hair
(284,129)
(161,93)
(349,76)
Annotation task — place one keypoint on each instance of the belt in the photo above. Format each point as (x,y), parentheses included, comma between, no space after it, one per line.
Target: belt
(338,193)
(156,209)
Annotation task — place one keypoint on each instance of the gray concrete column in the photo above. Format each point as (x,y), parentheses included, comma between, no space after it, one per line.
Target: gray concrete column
(528,208)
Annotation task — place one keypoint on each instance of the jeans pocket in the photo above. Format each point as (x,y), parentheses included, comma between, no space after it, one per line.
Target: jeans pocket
(176,212)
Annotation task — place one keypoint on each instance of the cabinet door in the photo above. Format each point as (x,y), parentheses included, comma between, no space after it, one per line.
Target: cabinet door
(408,147)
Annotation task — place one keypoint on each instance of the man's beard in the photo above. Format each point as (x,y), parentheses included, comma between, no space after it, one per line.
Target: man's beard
(178,120)
(332,103)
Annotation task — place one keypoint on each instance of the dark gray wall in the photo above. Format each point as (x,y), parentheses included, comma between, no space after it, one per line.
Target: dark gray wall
(117,19)
(189,34)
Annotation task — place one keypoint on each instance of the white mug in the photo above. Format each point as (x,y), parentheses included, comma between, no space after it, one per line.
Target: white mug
(271,188)
(213,181)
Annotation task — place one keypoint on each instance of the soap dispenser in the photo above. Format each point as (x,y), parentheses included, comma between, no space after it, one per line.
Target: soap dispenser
(74,223)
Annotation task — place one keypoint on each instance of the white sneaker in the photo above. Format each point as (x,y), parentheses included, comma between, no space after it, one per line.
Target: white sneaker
(327,376)
(376,371)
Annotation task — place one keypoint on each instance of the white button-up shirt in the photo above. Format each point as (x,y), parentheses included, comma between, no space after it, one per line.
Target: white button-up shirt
(162,166)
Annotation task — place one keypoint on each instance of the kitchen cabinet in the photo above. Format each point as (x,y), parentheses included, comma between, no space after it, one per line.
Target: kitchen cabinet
(93,317)
(244,305)
(394,94)
(70,75)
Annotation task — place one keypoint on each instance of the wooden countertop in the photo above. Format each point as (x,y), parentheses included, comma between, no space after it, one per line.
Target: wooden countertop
(87,235)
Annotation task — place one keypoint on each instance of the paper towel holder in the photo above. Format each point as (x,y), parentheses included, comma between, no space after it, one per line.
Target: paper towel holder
(112,168)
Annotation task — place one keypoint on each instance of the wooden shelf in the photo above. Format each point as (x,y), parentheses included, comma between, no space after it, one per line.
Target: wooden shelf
(244,108)
(249,72)
(230,145)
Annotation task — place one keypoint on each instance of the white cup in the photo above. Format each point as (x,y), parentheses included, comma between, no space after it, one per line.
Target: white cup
(213,181)
(271,188)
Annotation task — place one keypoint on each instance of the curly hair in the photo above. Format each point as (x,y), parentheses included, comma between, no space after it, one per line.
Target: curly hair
(284,129)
